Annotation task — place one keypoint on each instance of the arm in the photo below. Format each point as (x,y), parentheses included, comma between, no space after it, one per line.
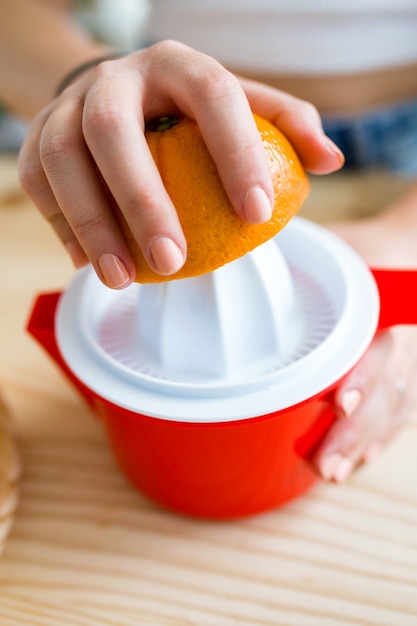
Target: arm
(379,395)
(386,239)
(97,125)
(39,44)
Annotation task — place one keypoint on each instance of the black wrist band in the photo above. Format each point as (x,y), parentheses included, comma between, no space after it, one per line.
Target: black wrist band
(77,71)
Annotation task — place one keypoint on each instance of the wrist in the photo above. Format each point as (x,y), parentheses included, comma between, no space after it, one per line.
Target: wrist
(77,71)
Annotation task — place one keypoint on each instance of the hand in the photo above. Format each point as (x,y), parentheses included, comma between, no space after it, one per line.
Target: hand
(372,404)
(89,142)
(379,395)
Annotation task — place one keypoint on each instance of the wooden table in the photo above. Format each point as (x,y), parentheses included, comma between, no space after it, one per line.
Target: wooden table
(86,549)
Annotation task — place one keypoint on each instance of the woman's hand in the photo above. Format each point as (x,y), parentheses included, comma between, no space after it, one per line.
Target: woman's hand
(375,400)
(379,395)
(89,143)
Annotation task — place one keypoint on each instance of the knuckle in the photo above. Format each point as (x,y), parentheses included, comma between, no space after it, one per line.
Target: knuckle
(101,118)
(141,202)
(54,149)
(167,49)
(244,146)
(308,110)
(30,174)
(213,83)
(58,222)
(203,75)
(86,226)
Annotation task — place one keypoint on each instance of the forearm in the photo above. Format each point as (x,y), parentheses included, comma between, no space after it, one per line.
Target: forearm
(388,238)
(39,44)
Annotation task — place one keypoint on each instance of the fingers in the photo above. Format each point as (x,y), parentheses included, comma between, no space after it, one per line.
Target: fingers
(202,89)
(372,404)
(68,190)
(113,128)
(360,437)
(73,179)
(237,149)
(35,183)
(230,133)
(300,122)
(92,138)
(89,144)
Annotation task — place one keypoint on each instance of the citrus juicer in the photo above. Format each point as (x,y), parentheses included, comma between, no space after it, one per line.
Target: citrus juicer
(215,391)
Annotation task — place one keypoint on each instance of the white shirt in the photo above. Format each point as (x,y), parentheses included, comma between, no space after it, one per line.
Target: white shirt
(293,36)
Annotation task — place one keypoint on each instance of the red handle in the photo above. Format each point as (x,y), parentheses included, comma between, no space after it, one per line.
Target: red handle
(397,292)
(41,323)
(41,326)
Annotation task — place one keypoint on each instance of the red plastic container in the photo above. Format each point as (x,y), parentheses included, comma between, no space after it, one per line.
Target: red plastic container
(221,466)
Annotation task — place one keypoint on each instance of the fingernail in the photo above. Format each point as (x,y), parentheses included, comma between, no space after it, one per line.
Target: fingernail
(333,149)
(350,401)
(76,253)
(343,470)
(329,464)
(336,467)
(257,207)
(114,271)
(372,452)
(166,256)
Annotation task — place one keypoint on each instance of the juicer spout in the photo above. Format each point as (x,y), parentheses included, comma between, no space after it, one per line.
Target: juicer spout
(234,323)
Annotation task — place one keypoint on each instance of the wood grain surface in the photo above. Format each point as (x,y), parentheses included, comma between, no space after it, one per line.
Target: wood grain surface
(86,549)
(10,473)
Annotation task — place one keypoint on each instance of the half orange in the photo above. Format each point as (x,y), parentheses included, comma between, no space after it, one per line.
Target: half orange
(215,234)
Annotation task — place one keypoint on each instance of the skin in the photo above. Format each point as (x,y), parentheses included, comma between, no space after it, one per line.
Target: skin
(91,120)
(93,133)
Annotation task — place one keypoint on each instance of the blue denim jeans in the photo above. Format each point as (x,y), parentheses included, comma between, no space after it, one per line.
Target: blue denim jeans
(385,138)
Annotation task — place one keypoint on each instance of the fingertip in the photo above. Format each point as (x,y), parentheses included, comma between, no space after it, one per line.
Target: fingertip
(114,271)
(326,465)
(343,470)
(335,153)
(256,206)
(335,467)
(166,256)
(324,158)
